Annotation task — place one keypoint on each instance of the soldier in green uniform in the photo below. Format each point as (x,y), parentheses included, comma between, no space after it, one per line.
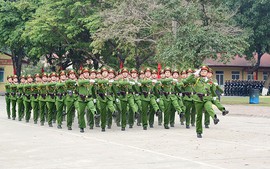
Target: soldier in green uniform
(147,99)
(13,97)
(70,99)
(60,92)
(170,99)
(8,95)
(92,119)
(178,92)
(203,97)
(20,98)
(157,91)
(214,101)
(137,97)
(27,98)
(105,98)
(34,97)
(50,98)
(85,98)
(42,98)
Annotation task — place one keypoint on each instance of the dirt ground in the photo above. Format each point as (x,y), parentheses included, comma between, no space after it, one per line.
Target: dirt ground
(240,140)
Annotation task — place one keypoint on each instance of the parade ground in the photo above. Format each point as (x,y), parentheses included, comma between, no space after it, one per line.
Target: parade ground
(240,140)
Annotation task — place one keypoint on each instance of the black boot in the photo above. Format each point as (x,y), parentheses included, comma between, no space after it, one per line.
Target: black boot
(50,125)
(199,135)
(130,126)
(123,129)
(109,127)
(193,125)
(8,117)
(82,130)
(187,126)
(138,124)
(59,127)
(27,121)
(166,127)
(224,112)
(182,123)
(69,128)
(91,128)
(172,125)
(151,126)
(103,129)
(144,127)
(160,124)
(13,118)
(207,126)
(216,120)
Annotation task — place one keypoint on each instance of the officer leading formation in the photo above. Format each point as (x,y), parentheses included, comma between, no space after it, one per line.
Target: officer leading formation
(128,97)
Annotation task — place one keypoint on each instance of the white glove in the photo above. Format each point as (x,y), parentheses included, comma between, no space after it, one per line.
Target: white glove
(214,98)
(92,81)
(154,81)
(175,80)
(216,83)
(158,100)
(94,100)
(117,100)
(139,84)
(111,80)
(133,83)
(197,73)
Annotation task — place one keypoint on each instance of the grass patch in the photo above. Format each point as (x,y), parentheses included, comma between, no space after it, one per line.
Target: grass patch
(235,100)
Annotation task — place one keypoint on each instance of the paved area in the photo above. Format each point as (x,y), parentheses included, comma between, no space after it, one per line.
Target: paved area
(240,140)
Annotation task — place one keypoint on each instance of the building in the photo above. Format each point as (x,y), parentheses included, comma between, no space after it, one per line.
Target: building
(238,68)
(6,68)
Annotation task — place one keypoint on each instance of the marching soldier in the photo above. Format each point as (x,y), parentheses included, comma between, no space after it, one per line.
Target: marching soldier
(13,96)
(20,98)
(8,94)
(27,98)
(42,98)
(60,98)
(203,97)
(34,97)
(50,98)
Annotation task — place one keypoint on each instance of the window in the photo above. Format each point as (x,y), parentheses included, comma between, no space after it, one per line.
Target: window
(250,76)
(235,75)
(265,75)
(220,77)
(1,74)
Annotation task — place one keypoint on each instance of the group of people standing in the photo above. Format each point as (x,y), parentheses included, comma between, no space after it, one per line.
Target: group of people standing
(128,96)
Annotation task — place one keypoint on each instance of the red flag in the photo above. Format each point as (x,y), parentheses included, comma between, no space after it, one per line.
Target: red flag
(14,70)
(159,69)
(42,70)
(121,64)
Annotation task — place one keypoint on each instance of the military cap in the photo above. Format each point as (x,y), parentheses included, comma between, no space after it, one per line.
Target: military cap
(9,76)
(85,70)
(154,71)
(22,77)
(184,72)
(124,70)
(161,71)
(62,72)
(205,68)
(141,72)
(167,69)
(133,70)
(53,74)
(111,71)
(190,71)
(92,71)
(15,76)
(98,71)
(147,69)
(44,74)
(29,76)
(37,75)
(71,71)
(104,69)
(175,71)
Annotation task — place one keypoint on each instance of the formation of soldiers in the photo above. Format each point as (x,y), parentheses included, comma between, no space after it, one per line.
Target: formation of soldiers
(241,87)
(99,97)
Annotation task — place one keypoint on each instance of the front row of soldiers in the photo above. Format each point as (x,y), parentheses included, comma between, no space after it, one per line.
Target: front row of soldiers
(104,95)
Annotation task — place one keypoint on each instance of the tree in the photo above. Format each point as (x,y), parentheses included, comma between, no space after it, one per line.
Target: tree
(13,17)
(254,17)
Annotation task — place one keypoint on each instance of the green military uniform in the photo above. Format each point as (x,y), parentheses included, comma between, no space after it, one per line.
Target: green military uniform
(13,98)
(70,99)
(170,100)
(50,101)
(85,100)
(20,101)
(42,102)
(27,101)
(147,100)
(160,102)
(7,98)
(105,101)
(203,99)
(35,101)
(60,92)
